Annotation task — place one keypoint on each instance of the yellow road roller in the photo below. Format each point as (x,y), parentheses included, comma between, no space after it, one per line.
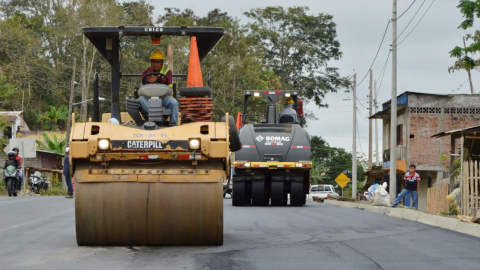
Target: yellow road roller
(138,180)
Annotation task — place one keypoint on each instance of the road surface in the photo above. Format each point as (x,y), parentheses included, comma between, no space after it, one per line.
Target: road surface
(39,233)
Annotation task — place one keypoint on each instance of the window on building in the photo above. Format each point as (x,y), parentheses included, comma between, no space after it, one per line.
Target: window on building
(400,134)
(7,132)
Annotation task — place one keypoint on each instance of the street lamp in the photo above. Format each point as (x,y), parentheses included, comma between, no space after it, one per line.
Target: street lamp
(100,98)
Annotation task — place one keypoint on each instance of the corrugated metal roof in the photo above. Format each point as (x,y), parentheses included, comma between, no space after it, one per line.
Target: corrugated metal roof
(48,152)
(456,131)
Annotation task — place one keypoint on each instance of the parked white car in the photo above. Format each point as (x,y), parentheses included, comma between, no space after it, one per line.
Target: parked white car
(322,191)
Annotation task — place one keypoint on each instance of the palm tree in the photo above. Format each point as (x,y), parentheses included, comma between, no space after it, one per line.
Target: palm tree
(54,115)
(51,145)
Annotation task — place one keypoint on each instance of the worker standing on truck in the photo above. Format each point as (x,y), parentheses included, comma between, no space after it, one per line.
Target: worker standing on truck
(288,111)
(156,65)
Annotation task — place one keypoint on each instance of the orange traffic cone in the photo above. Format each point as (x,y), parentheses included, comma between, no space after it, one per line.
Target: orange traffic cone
(194,77)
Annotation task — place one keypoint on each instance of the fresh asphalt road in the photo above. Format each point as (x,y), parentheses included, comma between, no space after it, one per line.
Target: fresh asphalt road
(39,233)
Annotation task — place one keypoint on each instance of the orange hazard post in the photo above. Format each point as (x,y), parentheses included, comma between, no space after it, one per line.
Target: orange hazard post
(239,120)
(194,77)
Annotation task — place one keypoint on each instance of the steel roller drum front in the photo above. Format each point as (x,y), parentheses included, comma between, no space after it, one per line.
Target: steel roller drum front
(168,209)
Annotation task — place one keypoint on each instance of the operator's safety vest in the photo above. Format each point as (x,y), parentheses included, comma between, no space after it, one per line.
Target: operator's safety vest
(165,70)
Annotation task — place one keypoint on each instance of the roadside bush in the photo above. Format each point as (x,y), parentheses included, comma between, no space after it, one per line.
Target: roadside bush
(3,191)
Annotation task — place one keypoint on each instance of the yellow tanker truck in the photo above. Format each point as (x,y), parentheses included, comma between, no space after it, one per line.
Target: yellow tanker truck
(141,182)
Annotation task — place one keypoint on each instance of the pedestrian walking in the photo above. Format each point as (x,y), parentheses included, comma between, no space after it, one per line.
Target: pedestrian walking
(66,172)
(412,185)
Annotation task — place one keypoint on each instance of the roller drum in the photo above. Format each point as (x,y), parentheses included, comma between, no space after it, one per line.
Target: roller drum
(138,213)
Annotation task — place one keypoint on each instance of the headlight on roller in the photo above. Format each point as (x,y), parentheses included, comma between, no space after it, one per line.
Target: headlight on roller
(103,144)
(287,95)
(247,165)
(194,144)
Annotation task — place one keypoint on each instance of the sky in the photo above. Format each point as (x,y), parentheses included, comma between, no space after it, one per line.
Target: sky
(423,57)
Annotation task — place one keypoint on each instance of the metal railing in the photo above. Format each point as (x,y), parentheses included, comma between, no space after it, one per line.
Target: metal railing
(401,154)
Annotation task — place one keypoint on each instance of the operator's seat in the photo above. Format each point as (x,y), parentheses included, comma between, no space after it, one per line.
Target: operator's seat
(287,119)
(154,93)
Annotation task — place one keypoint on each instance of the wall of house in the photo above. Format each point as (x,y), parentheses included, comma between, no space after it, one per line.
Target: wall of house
(401,120)
(429,115)
(50,160)
(426,151)
(425,116)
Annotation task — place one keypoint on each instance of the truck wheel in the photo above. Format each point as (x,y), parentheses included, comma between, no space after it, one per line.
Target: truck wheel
(195,91)
(297,196)
(239,193)
(234,138)
(259,197)
(279,196)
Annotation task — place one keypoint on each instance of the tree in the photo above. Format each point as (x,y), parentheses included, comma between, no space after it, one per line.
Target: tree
(234,63)
(333,160)
(296,45)
(137,13)
(54,145)
(6,90)
(54,115)
(470,10)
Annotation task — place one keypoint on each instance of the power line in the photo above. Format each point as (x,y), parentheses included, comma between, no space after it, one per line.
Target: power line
(407,9)
(417,22)
(358,111)
(328,135)
(411,20)
(361,104)
(359,141)
(384,33)
(461,85)
(383,72)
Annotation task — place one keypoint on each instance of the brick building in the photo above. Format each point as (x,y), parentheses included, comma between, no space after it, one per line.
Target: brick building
(419,116)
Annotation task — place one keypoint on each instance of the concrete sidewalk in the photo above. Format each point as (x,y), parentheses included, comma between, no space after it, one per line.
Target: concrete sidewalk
(414,215)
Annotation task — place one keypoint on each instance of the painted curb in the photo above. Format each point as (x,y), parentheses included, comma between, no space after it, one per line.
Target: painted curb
(469,228)
(446,223)
(427,219)
(413,215)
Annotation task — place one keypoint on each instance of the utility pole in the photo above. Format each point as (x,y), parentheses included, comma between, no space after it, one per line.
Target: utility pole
(376,128)
(354,147)
(468,70)
(393,107)
(70,102)
(84,81)
(370,152)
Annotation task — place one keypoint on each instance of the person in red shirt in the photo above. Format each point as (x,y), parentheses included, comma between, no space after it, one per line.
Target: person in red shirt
(156,65)
(20,175)
(412,185)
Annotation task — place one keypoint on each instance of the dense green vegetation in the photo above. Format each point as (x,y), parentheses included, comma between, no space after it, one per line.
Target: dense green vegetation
(280,48)
(329,162)
(464,55)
